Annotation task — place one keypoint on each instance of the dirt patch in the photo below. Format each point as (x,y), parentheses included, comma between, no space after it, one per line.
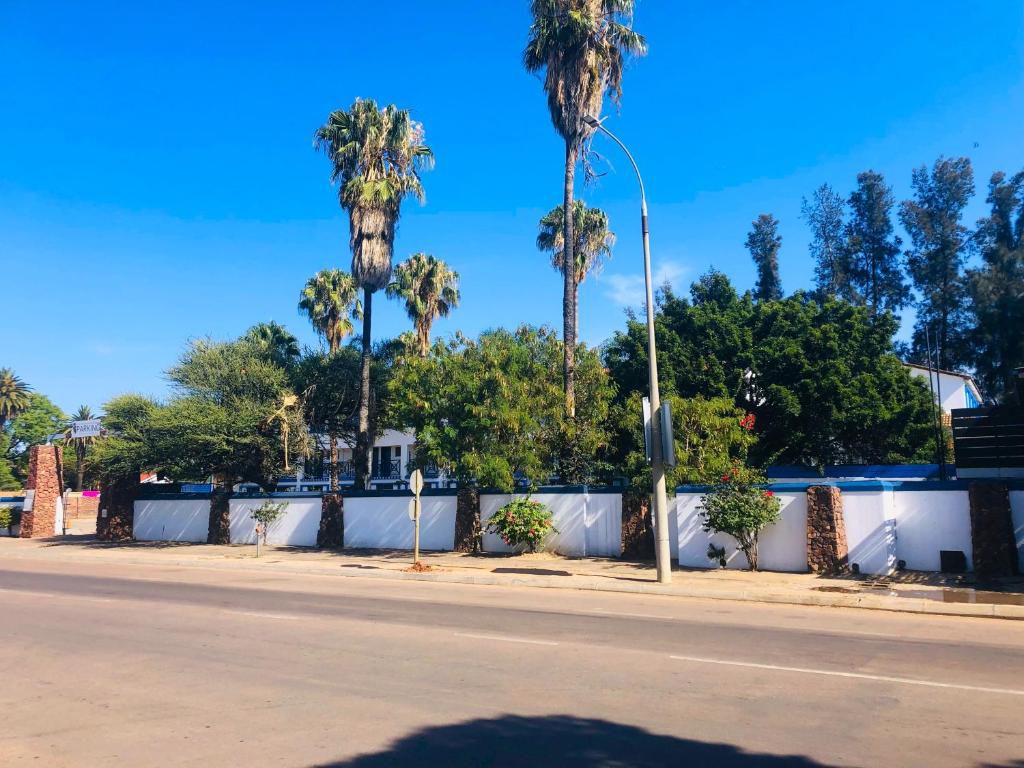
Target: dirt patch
(420,568)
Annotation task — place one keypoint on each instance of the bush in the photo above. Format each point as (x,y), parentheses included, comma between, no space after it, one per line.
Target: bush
(9,518)
(738,507)
(265,516)
(522,522)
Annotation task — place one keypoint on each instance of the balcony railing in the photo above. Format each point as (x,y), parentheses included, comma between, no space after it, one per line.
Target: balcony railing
(387,470)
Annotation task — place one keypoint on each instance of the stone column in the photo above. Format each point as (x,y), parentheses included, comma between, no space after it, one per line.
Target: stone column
(116,517)
(992,538)
(826,531)
(468,532)
(44,480)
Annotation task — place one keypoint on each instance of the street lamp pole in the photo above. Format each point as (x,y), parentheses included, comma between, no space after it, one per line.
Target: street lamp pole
(662,552)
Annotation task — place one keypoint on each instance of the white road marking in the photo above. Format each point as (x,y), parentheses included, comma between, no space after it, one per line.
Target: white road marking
(614,614)
(32,592)
(264,615)
(854,675)
(506,639)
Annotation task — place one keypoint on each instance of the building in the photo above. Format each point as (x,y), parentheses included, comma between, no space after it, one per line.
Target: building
(393,455)
(951,389)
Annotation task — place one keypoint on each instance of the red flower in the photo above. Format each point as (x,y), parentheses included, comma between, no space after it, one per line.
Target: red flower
(725,477)
(769,494)
(748,421)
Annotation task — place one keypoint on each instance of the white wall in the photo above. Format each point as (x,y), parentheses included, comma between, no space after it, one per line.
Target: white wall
(383,522)
(782,547)
(587,524)
(870,529)
(1017,508)
(172,520)
(928,521)
(297,526)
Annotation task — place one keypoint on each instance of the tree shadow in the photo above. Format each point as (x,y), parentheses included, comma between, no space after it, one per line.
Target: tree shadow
(562,741)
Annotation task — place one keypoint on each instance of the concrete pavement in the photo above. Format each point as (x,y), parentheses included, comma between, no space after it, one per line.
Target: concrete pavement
(107,663)
(908,592)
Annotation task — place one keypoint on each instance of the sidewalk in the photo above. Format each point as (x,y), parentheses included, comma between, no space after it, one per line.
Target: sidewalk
(908,592)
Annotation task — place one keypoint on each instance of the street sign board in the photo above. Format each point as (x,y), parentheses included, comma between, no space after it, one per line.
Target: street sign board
(668,442)
(416,481)
(88,428)
(647,428)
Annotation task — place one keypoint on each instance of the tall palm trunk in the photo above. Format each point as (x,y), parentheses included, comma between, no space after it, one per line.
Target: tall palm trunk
(363,450)
(569,277)
(333,437)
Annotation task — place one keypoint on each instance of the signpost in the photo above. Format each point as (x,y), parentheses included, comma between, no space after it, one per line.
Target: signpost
(416,485)
(88,428)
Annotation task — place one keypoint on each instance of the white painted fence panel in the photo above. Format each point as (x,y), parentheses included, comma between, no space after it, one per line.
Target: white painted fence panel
(587,524)
(172,520)
(871,530)
(928,521)
(297,526)
(1017,510)
(383,522)
(782,547)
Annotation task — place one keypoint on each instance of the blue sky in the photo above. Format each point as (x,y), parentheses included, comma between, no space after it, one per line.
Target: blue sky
(157,180)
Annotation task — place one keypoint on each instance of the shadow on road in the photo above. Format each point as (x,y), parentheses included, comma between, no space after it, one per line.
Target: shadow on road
(562,741)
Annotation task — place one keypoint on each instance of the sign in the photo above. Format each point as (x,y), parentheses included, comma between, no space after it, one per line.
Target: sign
(668,443)
(88,428)
(30,497)
(416,482)
(647,429)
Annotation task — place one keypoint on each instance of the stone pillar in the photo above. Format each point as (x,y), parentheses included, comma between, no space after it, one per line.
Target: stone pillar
(332,522)
(468,533)
(637,527)
(826,531)
(992,538)
(45,481)
(116,516)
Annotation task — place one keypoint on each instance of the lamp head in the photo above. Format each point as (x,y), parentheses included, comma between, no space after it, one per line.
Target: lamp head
(592,121)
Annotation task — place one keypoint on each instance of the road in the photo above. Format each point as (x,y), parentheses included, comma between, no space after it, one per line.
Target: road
(107,664)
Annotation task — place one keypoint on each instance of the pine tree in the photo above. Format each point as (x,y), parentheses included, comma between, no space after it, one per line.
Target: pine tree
(824,215)
(764,242)
(997,288)
(872,251)
(936,260)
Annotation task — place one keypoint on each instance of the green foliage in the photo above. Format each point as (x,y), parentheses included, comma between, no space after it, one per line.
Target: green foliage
(522,521)
(491,410)
(936,260)
(125,451)
(824,215)
(7,479)
(997,288)
(872,250)
(276,343)
(40,420)
(764,242)
(9,518)
(710,435)
(330,299)
(594,240)
(820,377)
(738,507)
(265,515)
(14,396)
(429,289)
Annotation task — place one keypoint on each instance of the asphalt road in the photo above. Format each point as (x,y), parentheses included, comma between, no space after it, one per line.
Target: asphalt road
(105,665)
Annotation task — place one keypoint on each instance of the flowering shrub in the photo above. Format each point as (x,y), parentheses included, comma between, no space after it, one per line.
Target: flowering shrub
(522,522)
(738,507)
(265,516)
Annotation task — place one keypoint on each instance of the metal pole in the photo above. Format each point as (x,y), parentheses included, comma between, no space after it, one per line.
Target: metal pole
(662,552)
(416,535)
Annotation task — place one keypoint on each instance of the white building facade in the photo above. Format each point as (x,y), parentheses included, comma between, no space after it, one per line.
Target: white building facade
(951,389)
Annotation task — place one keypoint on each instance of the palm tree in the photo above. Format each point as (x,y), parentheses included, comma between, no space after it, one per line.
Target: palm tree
(331,299)
(14,396)
(376,157)
(582,46)
(593,242)
(430,290)
(80,444)
(280,346)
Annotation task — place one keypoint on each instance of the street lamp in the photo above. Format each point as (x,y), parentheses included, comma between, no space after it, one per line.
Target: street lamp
(662,552)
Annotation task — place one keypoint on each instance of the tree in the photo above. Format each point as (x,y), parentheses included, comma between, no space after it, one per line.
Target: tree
(594,242)
(126,449)
(36,424)
(737,506)
(997,288)
(14,396)
(581,46)
(276,342)
(8,481)
(330,300)
(824,215)
(429,289)
(936,260)
(80,445)
(490,410)
(875,279)
(376,157)
(764,242)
